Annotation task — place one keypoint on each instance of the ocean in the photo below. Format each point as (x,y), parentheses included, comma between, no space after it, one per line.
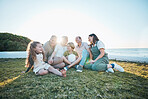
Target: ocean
(126,54)
(129,54)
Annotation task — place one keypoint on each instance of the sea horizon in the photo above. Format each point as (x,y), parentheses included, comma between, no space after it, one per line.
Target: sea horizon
(122,54)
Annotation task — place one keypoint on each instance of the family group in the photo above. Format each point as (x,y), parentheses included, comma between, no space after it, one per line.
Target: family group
(57,58)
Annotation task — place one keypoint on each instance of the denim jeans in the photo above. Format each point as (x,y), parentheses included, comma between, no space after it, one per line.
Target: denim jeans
(85,56)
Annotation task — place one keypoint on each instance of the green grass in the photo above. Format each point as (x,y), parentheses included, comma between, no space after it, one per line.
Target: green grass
(133,83)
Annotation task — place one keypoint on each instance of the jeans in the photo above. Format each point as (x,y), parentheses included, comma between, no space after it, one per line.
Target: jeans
(85,56)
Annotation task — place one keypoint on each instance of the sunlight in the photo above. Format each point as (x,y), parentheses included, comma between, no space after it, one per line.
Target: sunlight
(8,81)
(64,23)
(59,40)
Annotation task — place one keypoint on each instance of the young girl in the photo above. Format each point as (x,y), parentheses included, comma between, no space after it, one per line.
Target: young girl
(36,59)
(71,55)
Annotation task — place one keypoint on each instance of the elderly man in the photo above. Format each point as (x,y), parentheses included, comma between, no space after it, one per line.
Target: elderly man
(83,51)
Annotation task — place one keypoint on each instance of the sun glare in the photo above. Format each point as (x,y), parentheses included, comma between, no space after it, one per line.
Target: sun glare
(63,23)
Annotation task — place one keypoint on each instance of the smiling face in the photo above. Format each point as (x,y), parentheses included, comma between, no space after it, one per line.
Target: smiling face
(90,39)
(78,40)
(69,48)
(39,48)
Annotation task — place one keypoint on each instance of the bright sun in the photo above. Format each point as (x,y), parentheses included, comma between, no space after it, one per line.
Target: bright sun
(62,23)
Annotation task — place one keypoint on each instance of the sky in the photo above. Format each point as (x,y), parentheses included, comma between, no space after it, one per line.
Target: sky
(118,23)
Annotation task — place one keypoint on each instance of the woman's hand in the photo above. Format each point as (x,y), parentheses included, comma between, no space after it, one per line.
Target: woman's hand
(50,61)
(92,61)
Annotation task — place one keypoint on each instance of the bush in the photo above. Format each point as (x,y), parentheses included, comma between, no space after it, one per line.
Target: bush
(11,42)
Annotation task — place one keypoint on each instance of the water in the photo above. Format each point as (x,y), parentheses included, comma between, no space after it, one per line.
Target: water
(13,54)
(131,54)
(141,52)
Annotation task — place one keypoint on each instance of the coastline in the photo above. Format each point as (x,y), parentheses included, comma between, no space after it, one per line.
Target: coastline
(138,55)
(135,59)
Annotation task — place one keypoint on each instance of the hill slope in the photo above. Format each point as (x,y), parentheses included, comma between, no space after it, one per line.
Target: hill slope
(11,42)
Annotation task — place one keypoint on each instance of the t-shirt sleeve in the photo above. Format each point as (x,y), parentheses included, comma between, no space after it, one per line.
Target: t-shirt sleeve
(75,53)
(56,48)
(86,45)
(100,44)
(65,54)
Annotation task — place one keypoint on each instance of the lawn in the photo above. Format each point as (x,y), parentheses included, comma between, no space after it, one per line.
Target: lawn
(133,83)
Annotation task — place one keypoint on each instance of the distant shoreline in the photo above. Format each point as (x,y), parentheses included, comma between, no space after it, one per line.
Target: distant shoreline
(138,55)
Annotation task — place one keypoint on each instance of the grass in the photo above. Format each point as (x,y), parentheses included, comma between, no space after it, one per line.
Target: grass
(133,83)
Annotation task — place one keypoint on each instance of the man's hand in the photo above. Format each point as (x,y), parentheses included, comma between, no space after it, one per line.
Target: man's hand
(50,61)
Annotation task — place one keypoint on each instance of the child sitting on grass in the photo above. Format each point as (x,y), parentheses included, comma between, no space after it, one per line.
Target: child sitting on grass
(36,58)
(71,55)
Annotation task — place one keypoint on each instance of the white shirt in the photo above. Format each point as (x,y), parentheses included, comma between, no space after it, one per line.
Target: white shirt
(39,63)
(83,46)
(59,49)
(100,44)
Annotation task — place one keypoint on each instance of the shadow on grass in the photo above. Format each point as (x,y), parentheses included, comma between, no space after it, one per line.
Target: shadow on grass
(88,84)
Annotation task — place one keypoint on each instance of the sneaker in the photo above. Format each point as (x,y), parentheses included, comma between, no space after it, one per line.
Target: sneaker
(110,70)
(79,68)
(118,67)
(66,68)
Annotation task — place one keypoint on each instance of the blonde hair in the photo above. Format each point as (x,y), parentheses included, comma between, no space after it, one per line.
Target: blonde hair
(71,44)
(31,53)
(65,38)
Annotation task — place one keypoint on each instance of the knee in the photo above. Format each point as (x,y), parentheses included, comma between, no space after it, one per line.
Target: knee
(62,58)
(88,66)
(62,64)
(84,51)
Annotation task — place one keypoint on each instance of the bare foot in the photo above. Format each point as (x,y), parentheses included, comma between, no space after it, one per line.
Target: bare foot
(63,71)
